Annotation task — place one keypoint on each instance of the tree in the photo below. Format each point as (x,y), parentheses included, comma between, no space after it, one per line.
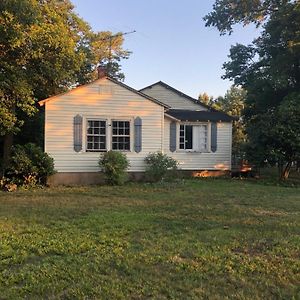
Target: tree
(210,100)
(269,70)
(205,98)
(45,49)
(233,103)
(227,13)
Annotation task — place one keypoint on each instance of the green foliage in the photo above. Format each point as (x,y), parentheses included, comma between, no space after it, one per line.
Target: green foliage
(114,165)
(160,167)
(268,70)
(46,48)
(29,165)
(227,13)
(200,239)
(233,103)
(206,99)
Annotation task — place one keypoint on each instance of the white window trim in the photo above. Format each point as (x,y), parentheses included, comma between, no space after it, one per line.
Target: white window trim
(84,133)
(131,128)
(108,121)
(208,150)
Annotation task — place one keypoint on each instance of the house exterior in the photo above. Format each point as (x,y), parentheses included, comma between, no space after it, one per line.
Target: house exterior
(109,115)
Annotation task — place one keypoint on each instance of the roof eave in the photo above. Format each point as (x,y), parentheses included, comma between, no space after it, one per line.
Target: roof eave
(42,102)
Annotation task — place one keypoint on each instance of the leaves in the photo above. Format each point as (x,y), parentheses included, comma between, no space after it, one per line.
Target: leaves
(269,70)
(45,49)
(227,13)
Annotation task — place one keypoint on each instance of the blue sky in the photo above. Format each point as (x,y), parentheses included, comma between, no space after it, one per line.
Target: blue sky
(171,43)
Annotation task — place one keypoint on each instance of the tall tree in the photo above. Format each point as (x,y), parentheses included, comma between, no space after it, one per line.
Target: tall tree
(45,48)
(205,98)
(269,70)
(233,103)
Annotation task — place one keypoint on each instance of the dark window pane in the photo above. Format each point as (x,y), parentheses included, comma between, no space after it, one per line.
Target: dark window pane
(127,143)
(188,137)
(96,135)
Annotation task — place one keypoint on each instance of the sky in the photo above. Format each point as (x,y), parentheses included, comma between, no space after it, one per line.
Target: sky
(171,42)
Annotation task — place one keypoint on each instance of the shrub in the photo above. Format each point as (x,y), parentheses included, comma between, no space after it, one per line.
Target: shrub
(160,167)
(114,165)
(29,165)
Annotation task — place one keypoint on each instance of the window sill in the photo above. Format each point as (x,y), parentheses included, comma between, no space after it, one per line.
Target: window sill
(102,151)
(193,151)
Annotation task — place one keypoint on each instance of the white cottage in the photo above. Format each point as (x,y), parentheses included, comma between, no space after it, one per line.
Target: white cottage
(109,115)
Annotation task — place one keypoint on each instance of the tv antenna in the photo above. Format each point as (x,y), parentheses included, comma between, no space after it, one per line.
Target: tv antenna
(110,39)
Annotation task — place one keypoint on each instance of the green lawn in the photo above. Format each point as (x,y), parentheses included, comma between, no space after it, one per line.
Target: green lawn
(211,239)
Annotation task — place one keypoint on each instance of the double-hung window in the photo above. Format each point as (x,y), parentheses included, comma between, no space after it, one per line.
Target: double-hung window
(193,137)
(121,135)
(96,135)
(103,135)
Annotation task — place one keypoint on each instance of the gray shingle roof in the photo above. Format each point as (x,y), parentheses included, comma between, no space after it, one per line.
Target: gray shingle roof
(199,115)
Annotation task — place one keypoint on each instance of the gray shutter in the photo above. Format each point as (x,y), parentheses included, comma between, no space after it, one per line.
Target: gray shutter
(214,134)
(173,136)
(77,131)
(138,134)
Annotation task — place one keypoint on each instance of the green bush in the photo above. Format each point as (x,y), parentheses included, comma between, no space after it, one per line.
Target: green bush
(160,167)
(114,165)
(29,165)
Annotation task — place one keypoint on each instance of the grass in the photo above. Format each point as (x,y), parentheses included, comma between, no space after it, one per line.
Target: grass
(211,239)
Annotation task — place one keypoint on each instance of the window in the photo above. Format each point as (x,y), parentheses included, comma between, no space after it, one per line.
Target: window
(99,138)
(96,135)
(186,137)
(193,137)
(121,135)
(201,132)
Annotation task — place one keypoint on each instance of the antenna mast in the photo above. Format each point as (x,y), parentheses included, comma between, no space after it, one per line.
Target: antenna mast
(110,39)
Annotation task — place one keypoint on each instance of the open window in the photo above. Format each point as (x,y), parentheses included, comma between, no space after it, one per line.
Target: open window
(193,137)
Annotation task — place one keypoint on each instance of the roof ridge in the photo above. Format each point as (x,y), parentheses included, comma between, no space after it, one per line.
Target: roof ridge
(180,93)
(137,91)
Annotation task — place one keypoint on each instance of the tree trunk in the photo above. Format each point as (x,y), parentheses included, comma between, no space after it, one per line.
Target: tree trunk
(286,171)
(7,145)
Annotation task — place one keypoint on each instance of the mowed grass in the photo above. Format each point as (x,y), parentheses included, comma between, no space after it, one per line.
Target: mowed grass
(211,239)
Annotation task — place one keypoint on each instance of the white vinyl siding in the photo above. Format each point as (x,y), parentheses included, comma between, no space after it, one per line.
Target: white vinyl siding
(91,103)
(171,98)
